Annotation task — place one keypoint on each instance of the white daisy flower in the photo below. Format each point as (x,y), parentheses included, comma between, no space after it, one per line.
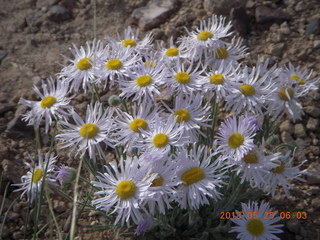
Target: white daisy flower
(229,53)
(88,134)
(249,92)
(302,80)
(207,36)
(128,126)
(172,53)
(144,82)
(54,103)
(40,173)
(162,187)
(183,77)
(123,189)
(190,114)
(235,137)
(162,135)
(284,100)
(254,165)
(198,177)
(217,79)
(81,71)
(254,223)
(282,173)
(131,39)
(114,64)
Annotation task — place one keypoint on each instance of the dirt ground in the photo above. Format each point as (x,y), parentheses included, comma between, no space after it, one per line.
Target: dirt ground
(34,34)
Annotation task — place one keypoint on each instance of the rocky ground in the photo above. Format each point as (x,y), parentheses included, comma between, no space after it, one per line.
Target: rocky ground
(35,32)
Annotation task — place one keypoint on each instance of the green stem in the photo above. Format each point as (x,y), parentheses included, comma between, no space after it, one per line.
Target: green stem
(75,198)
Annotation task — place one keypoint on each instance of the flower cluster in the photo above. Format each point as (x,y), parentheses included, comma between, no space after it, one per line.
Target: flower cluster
(170,152)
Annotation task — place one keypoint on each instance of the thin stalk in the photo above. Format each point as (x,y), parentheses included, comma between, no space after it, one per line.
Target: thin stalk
(75,198)
(96,93)
(37,135)
(214,112)
(52,213)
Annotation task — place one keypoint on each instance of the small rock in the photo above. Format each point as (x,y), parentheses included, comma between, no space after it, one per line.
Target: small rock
(315,150)
(46,3)
(3,54)
(12,216)
(313,176)
(58,13)
(153,14)
(265,14)
(299,131)
(316,43)
(286,126)
(221,6)
(5,232)
(250,4)
(284,28)
(313,111)
(294,226)
(313,26)
(34,21)
(240,20)
(276,49)
(315,203)
(313,123)
(18,128)
(59,206)
(286,137)
(6,107)
(17,235)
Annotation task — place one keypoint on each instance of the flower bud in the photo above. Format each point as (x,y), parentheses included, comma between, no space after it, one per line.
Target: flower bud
(66,175)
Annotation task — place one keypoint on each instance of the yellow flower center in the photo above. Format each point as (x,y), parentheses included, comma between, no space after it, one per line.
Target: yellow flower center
(294,77)
(138,123)
(235,140)
(182,77)
(222,53)
(182,115)
(204,35)
(89,130)
(129,43)
(280,169)
(251,157)
(114,64)
(302,81)
(84,64)
(37,175)
(285,94)
(47,102)
(247,90)
(193,175)
(150,63)
(143,80)
(160,140)
(126,189)
(158,182)
(172,52)
(217,79)
(255,227)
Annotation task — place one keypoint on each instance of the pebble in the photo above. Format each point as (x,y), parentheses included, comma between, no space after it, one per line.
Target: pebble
(313,176)
(153,14)
(316,44)
(12,216)
(240,20)
(286,137)
(299,131)
(265,14)
(58,13)
(313,111)
(294,225)
(3,54)
(221,6)
(315,203)
(313,26)
(59,206)
(313,123)
(284,28)
(18,128)
(286,126)
(276,49)
(17,235)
